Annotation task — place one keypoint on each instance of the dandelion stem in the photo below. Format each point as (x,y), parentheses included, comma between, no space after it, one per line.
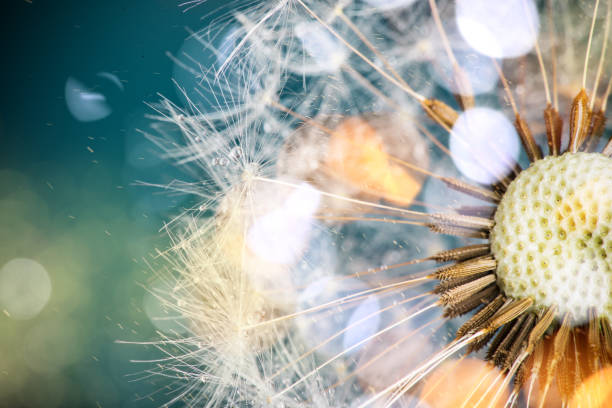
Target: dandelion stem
(369,219)
(602,56)
(342,300)
(588,50)
(538,51)
(553,56)
(464,88)
(351,200)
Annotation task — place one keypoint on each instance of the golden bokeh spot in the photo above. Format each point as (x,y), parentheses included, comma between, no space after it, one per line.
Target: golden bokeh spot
(356,154)
(595,392)
(465,383)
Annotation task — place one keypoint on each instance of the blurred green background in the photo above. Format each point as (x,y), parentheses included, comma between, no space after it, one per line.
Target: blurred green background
(76,232)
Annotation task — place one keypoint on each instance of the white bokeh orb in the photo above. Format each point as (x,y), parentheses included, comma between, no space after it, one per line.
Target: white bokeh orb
(484,144)
(25,288)
(326,51)
(498,29)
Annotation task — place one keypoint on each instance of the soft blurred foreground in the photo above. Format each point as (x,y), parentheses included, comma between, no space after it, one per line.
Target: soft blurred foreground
(75,229)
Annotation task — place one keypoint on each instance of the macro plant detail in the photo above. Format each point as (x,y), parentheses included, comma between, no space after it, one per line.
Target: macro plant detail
(314,120)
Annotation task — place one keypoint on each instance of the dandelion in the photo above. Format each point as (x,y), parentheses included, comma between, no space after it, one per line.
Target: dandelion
(354,147)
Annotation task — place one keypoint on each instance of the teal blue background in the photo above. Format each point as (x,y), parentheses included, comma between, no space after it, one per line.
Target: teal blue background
(69,199)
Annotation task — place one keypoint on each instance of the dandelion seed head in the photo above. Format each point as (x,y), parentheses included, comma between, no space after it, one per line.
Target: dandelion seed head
(314,181)
(551,238)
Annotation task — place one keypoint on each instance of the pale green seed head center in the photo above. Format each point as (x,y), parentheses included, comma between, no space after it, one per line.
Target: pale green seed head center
(552,239)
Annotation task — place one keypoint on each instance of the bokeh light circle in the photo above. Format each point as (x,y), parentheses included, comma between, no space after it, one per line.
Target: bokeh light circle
(25,288)
(89,103)
(484,144)
(504,29)
(478,69)
(281,235)
(326,51)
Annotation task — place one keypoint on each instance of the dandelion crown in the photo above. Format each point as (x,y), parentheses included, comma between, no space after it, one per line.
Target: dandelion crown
(318,120)
(551,236)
